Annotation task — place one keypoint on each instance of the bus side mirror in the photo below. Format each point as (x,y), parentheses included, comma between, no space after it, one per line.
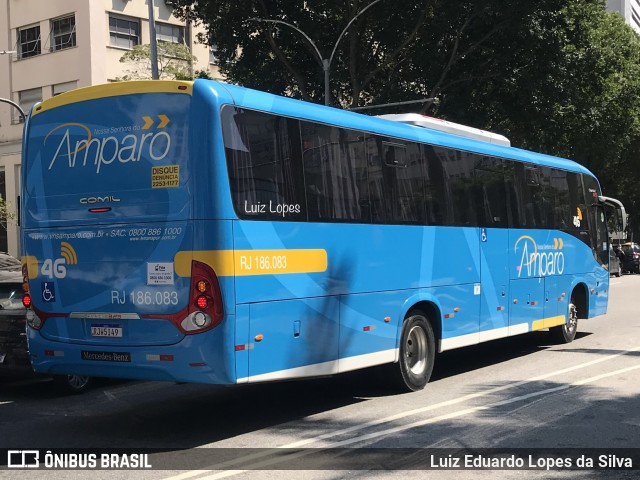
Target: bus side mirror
(620,211)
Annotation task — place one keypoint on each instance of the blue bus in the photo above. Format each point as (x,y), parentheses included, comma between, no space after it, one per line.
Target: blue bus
(205,232)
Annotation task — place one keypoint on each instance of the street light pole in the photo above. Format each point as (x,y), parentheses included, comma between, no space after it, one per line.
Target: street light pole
(6,100)
(152,43)
(11,102)
(324,62)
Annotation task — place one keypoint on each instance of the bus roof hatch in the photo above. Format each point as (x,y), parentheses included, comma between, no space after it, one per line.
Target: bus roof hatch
(447,127)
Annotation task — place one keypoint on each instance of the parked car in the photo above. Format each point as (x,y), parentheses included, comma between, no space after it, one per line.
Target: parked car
(615,266)
(630,257)
(14,355)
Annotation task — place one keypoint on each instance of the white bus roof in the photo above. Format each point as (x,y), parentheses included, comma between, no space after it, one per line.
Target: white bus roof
(448,127)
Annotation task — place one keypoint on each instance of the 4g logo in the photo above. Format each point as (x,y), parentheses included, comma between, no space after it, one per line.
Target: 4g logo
(57,268)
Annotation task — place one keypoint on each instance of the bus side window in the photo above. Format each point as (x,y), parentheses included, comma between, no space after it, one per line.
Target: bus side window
(437,204)
(396,181)
(490,191)
(334,172)
(459,168)
(263,157)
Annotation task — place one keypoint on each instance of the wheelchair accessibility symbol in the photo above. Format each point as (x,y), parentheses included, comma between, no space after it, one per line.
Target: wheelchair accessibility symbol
(48,292)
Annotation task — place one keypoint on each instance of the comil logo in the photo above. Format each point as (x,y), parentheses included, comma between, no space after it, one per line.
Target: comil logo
(77,146)
(539,260)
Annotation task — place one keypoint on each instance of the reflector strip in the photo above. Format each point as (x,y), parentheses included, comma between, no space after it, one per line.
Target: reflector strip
(246,346)
(54,353)
(159,358)
(369,328)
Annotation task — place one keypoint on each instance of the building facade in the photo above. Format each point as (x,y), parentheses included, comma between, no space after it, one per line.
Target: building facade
(54,46)
(629,9)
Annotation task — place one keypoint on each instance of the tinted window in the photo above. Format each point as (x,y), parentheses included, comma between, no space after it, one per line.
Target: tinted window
(437,205)
(596,216)
(460,184)
(335,172)
(286,169)
(491,193)
(263,157)
(570,205)
(532,203)
(396,182)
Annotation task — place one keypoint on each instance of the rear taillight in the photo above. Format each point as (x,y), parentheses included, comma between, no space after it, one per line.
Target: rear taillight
(32,318)
(26,300)
(202,302)
(205,302)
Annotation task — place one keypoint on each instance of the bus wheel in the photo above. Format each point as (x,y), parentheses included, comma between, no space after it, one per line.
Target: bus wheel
(74,384)
(417,353)
(567,332)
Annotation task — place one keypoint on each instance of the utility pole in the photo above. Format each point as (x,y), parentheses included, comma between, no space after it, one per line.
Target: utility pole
(325,63)
(152,43)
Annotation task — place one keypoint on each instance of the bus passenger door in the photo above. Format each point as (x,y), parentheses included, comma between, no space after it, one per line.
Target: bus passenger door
(527,285)
(494,300)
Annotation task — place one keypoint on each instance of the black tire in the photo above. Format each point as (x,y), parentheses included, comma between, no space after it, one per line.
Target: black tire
(417,353)
(72,384)
(566,332)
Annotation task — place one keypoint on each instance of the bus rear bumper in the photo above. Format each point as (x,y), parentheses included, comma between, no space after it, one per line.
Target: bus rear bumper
(195,359)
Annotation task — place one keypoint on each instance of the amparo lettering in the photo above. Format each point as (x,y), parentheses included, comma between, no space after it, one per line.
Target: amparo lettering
(101,151)
(535,262)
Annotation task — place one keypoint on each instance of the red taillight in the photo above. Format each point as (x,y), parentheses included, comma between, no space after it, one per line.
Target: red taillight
(26,300)
(204,310)
(202,302)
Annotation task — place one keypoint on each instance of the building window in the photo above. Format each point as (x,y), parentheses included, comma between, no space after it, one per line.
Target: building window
(28,41)
(63,87)
(63,33)
(124,32)
(169,33)
(28,98)
(213,50)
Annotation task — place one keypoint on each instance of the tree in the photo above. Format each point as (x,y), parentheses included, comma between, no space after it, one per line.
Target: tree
(7,213)
(558,77)
(175,62)
(278,59)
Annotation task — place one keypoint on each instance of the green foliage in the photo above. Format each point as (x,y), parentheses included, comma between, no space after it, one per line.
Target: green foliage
(555,76)
(175,62)
(7,213)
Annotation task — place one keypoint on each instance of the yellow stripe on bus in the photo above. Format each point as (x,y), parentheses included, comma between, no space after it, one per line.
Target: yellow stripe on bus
(253,262)
(32,266)
(113,90)
(548,322)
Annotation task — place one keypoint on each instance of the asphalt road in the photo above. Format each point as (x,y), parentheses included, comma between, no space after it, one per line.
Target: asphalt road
(522,393)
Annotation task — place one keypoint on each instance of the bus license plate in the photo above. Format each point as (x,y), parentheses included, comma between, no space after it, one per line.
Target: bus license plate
(113,331)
